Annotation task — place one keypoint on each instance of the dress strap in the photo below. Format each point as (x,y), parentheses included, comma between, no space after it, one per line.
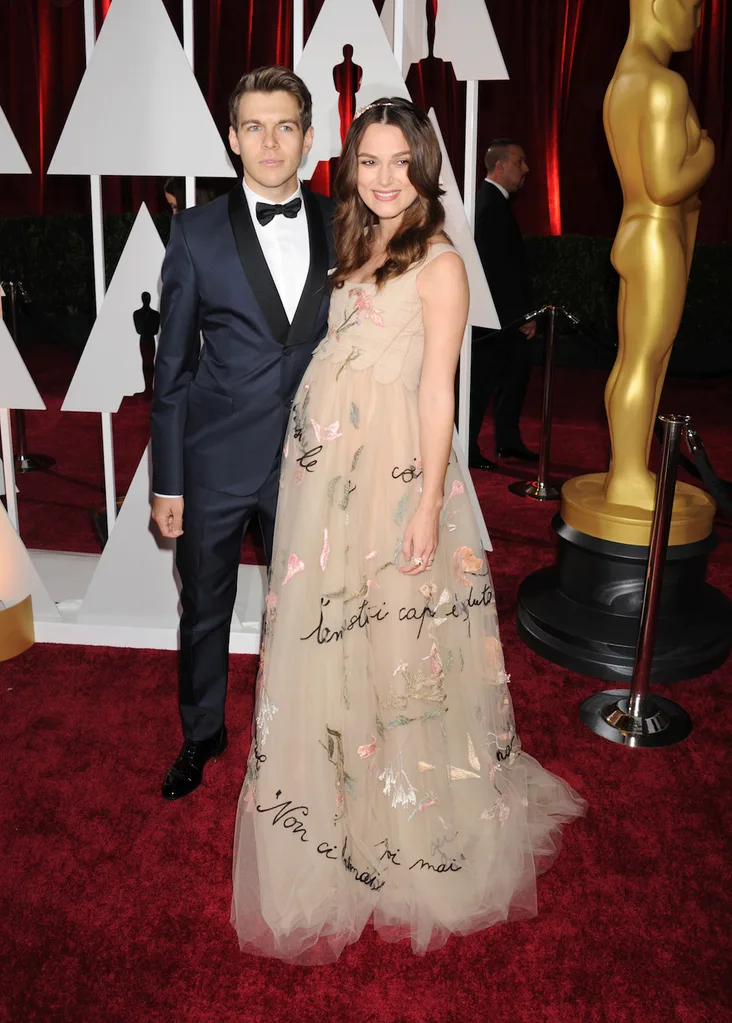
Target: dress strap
(437,249)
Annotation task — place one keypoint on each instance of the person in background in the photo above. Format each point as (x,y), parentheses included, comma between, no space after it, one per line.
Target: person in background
(501,363)
(175,193)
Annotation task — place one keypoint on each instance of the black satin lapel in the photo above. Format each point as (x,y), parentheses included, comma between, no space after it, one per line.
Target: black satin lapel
(303,323)
(255,266)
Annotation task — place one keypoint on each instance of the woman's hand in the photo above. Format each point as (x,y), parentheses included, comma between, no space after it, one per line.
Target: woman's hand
(421,538)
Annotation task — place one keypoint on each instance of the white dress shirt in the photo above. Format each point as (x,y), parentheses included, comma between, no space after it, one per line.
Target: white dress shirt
(285,244)
(500,188)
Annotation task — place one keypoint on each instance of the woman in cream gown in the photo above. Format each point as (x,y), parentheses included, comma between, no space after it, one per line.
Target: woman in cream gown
(386,779)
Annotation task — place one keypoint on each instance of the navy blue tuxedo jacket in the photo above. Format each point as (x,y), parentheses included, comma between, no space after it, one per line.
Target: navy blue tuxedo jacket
(220,408)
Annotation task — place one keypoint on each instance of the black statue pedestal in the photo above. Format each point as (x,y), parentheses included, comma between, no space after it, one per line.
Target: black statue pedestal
(583,612)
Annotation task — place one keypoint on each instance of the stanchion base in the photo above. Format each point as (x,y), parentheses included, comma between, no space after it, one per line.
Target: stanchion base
(663,723)
(583,612)
(535,490)
(33,463)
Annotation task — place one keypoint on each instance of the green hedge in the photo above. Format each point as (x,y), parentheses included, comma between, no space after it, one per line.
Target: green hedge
(53,257)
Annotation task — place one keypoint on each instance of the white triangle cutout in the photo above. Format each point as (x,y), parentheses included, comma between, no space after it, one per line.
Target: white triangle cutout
(136,580)
(482,308)
(12,160)
(139,109)
(464,35)
(339,24)
(110,367)
(17,389)
(18,576)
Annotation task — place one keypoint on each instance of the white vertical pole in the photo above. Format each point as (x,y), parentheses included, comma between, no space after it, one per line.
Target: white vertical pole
(399,33)
(100,286)
(188,50)
(471,157)
(298,31)
(6,447)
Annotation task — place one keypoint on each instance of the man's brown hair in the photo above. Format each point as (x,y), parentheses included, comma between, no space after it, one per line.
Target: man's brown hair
(498,152)
(272,79)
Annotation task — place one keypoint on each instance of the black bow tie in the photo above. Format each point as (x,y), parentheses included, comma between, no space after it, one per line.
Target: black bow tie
(267,211)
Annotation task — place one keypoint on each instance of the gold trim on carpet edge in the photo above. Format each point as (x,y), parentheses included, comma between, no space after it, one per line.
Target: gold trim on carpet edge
(17,633)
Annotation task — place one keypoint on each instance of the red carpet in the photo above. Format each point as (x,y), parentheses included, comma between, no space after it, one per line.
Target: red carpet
(115,905)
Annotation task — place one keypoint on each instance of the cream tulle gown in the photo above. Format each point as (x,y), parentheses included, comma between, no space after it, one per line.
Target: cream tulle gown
(386,778)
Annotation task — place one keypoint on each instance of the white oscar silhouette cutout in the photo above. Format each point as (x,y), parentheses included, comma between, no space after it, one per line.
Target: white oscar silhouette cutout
(482,308)
(139,109)
(18,576)
(110,367)
(464,36)
(340,24)
(12,160)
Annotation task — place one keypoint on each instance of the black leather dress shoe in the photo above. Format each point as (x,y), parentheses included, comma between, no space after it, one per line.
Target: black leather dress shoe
(482,463)
(186,774)
(522,454)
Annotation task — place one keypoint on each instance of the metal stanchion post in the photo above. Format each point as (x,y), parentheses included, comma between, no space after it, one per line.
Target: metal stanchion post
(636,717)
(540,489)
(23,461)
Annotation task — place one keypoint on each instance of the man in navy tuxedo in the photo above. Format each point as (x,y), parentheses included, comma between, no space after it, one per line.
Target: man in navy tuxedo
(244,303)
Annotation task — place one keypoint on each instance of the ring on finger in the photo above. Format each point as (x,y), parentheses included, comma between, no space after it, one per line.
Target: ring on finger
(417,562)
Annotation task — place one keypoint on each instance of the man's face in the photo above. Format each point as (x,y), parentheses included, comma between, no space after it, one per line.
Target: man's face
(513,170)
(270,141)
(680,20)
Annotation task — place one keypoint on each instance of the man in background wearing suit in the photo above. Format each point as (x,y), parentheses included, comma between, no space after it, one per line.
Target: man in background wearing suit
(248,274)
(501,364)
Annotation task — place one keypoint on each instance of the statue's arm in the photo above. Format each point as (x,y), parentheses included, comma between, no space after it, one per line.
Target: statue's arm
(671,172)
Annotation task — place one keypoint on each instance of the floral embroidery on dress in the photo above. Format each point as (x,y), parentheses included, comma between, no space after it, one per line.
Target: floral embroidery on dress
(368,750)
(353,354)
(334,749)
(294,565)
(398,786)
(465,561)
(365,304)
(332,432)
(325,551)
(418,685)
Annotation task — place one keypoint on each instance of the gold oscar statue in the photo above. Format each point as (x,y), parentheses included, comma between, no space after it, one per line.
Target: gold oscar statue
(662,157)
(17,632)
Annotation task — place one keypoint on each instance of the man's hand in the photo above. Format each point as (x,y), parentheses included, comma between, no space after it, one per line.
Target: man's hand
(167,513)
(529,329)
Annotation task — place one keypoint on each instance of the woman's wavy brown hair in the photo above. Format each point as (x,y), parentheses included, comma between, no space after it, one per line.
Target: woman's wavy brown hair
(354,221)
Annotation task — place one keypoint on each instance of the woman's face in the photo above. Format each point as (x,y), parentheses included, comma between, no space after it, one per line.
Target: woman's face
(383,163)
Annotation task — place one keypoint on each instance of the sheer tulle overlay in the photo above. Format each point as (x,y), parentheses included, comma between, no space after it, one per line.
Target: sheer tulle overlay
(386,779)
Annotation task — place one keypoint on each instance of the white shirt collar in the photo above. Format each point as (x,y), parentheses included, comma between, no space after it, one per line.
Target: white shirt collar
(253,198)
(500,188)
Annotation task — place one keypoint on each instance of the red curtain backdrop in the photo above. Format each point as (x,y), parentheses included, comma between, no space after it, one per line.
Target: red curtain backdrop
(560,56)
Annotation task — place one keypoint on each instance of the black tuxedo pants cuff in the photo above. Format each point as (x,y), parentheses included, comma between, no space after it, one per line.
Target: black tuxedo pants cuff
(207,558)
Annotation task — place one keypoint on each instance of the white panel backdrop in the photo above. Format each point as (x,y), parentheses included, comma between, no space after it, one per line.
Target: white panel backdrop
(139,111)
(340,24)
(110,367)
